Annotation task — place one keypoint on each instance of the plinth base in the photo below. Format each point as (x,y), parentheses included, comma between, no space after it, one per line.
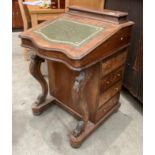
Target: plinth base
(39,109)
(90,127)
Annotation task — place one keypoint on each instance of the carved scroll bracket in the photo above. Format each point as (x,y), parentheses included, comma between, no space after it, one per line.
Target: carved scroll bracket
(79,99)
(36,73)
(78,81)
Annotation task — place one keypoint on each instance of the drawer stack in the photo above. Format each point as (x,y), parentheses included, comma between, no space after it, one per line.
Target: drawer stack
(110,83)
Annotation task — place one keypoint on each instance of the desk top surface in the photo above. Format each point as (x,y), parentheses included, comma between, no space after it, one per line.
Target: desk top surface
(74,34)
(69,32)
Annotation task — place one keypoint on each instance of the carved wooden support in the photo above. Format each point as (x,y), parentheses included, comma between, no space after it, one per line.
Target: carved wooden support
(89,128)
(79,99)
(36,73)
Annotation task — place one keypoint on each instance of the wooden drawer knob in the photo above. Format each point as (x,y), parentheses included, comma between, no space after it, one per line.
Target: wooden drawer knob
(116,89)
(118,74)
(107,82)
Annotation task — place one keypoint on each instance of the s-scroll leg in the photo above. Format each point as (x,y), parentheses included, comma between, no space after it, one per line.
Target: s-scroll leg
(40,104)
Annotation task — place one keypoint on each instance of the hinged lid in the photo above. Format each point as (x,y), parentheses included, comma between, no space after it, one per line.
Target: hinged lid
(115,17)
(80,37)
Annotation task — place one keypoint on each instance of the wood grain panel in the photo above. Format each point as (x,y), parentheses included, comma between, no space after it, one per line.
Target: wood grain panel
(105,96)
(92,4)
(111,78)
(17,21)
(108,65)
(106,107)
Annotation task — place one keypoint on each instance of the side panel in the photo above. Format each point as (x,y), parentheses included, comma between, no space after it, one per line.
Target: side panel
(61,82)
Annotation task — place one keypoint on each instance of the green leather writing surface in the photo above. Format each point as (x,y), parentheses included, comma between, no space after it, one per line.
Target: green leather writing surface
(68,32)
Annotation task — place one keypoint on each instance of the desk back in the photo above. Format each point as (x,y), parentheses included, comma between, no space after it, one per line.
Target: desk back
(92,4)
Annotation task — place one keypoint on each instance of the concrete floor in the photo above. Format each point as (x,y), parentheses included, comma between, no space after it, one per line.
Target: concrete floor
(47,134)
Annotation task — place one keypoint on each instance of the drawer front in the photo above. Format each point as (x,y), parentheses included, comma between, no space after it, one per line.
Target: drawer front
(112,78)
(113,63)
(106,107)
(108,94)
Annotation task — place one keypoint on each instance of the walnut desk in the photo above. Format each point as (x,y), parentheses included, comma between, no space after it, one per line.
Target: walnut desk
(85,51)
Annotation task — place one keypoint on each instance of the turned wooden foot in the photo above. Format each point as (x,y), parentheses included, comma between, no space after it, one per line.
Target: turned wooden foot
(40,104)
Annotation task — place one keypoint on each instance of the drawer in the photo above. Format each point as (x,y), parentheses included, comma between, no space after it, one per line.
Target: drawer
(109,93)
(113,63)
(111,78)
(107,106)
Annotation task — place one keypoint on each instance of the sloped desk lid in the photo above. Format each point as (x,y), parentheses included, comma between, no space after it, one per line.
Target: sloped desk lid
(67,31)
(74,35)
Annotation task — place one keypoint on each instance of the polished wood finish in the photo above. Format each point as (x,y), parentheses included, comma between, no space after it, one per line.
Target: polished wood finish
(26,21)
(31,15)
(84,80)
(36,73)
(42,14)
(133,79)
(91,4)
(111,78)
(118,60)
(17,21)
(20,19)
(106,15)
(25,15)
(38,13)
(79,59)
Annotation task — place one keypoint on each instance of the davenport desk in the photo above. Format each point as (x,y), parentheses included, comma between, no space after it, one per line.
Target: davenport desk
(85,52)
